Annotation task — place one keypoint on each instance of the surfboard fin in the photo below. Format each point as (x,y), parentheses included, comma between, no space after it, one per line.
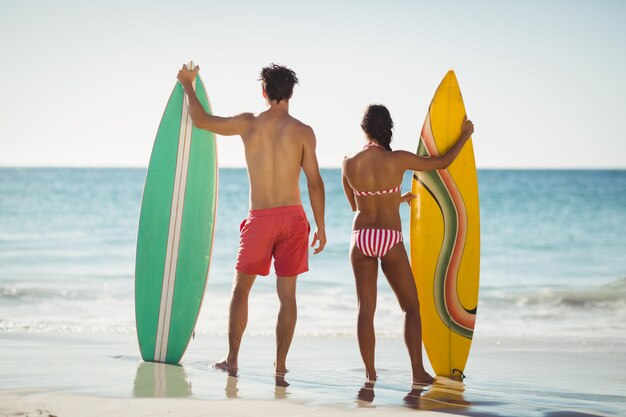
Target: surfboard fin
(457,375)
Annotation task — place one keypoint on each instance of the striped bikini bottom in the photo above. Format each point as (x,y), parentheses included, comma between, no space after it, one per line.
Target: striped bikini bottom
(376,242)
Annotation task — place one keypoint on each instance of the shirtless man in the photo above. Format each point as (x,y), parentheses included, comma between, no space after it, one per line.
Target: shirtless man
(277,147)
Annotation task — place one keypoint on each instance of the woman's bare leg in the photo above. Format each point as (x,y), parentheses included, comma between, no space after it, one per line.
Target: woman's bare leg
(365,273)
(396,267)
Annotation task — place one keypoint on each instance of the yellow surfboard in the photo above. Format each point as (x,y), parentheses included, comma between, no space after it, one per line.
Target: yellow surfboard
(445,236)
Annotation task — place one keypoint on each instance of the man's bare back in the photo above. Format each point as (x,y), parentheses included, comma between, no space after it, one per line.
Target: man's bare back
(277,147)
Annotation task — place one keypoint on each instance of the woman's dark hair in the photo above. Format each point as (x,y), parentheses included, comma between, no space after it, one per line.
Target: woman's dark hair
(377,124)
(278,82)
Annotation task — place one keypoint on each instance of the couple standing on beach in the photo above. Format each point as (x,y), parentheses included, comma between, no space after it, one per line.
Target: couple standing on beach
(277,147)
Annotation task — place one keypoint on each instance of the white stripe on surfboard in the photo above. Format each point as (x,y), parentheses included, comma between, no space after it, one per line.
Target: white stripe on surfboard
(176,242)
(173,241)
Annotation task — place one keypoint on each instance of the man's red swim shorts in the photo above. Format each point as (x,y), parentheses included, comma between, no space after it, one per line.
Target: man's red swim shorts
(279,232)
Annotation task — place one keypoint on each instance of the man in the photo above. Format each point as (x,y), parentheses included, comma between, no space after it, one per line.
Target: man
(277,147)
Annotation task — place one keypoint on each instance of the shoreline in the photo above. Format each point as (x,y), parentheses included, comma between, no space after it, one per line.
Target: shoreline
(31,404)
(66,374)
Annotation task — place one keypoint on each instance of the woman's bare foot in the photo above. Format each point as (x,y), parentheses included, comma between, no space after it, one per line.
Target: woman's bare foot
(422,378)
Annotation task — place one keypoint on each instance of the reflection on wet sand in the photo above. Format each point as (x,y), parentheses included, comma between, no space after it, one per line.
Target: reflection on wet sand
(231,385)
(443,395)
(280,393)
(232,390)
(161,380)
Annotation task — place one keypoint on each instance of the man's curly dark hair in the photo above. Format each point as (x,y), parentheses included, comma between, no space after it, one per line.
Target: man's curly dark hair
(278,82)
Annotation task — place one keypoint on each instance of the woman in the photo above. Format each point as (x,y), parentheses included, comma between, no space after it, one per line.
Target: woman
(371,180)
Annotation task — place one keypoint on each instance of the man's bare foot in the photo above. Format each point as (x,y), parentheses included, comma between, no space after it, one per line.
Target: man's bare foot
(230,367)
(280,380)
(423,378)
(279,376)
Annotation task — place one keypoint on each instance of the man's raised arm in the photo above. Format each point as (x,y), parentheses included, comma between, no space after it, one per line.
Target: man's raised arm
(225,126)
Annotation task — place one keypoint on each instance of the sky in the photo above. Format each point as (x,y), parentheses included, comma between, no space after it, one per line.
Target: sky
(85,83)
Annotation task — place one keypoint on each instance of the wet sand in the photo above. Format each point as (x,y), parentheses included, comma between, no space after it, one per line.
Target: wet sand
(65,375)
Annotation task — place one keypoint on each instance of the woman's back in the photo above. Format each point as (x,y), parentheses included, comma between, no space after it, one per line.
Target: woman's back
(375,177)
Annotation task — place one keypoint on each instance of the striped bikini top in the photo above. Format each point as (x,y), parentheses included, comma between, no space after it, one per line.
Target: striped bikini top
(397,189)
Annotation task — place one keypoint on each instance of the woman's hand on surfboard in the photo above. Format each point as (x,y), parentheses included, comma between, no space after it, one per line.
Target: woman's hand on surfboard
(467,128)
(186,76)
(319,237)
(407,198)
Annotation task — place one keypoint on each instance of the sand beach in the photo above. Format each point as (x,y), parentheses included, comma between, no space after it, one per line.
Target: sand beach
(70,375)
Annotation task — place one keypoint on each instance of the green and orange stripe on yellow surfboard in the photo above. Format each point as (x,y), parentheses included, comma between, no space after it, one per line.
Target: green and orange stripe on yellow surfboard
(444,191)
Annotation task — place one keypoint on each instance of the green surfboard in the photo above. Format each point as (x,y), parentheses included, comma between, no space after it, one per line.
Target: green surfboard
(176,228)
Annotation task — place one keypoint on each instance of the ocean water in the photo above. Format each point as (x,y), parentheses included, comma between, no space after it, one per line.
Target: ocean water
(553,256)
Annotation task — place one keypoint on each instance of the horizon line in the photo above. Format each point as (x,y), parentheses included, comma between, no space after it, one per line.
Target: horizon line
(494,168)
